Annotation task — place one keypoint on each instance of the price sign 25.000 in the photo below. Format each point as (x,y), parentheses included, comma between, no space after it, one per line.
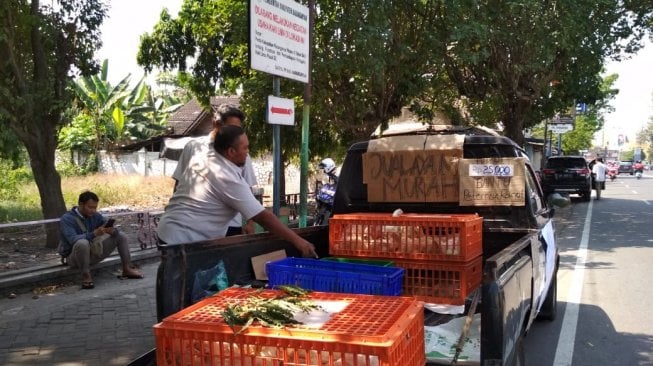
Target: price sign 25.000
(491,170)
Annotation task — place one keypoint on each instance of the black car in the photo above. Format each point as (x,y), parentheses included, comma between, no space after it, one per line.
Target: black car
(626,167)
(567,174)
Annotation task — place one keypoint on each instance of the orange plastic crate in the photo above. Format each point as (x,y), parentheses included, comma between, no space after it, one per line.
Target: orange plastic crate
(409,236)
(370,330)
(441,282)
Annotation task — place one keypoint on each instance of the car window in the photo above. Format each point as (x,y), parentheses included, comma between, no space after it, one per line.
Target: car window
(566,163)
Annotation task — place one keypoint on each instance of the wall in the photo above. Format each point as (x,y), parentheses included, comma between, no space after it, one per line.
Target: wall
(149,164)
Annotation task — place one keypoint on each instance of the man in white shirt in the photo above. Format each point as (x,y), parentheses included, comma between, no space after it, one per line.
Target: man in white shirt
(599,171)
(226,114)
(213,190)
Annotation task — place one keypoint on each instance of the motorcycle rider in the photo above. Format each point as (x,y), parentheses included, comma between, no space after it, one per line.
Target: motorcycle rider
(325,193)
(329,168)
(638,169)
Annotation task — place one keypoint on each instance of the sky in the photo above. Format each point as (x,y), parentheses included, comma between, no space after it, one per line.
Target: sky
(129,19)
(634,103)
(121,31)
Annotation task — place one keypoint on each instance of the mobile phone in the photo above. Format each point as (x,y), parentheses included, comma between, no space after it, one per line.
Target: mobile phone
(109,223)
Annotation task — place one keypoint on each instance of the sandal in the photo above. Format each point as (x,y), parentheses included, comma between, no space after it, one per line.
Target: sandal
(130,276)
(87,285)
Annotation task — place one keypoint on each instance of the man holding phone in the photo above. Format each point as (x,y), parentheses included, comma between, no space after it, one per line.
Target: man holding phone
(87,238)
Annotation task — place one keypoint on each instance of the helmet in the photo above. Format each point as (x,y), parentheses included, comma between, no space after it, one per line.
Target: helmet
(328,165)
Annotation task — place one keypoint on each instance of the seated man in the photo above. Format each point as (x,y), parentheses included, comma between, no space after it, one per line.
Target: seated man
(82,229)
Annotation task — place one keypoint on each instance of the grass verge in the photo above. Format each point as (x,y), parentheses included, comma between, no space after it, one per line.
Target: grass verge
(134,191)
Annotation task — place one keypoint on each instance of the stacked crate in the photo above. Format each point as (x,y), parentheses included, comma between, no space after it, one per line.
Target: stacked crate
(367,331)
(441,254)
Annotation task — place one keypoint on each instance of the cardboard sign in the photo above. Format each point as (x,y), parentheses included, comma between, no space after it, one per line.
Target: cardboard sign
(258,263)
(492,182)
(411,176)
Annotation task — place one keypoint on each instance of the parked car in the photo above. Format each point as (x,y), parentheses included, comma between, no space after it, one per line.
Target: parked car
(626,167)
(567,174)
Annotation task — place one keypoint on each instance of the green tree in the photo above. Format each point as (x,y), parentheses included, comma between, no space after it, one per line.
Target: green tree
(101,101)
(519,62)
(40,47)
(514,62)
(368,61)
(119,114)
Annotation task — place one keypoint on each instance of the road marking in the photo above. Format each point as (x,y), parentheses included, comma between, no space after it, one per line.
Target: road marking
(565,350)
(647,202)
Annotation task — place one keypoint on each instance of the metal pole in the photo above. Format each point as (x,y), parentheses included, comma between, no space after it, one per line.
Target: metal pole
(303,178)
(276,150)
(544,147)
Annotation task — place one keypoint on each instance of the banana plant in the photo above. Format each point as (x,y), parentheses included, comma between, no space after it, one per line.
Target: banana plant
(99,100)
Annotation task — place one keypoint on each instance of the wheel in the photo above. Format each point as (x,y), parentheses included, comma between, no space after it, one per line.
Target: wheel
(587,195)
(321,217)
(549,308)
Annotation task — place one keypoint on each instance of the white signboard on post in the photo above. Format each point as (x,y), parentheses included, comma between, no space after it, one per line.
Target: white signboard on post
(280,111)
(279,38)
(561,128)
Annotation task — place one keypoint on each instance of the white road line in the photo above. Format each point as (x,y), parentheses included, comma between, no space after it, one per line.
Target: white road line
(647,202)
(565,350)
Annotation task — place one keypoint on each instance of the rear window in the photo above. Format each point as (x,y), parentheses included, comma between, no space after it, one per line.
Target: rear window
(566,163)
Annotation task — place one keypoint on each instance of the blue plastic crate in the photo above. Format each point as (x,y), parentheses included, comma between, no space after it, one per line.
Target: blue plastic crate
(328,276)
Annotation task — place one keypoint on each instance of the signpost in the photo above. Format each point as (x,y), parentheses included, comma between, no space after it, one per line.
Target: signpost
(279,38)
(561,128)
(564,119)
(280,111)
(279,44)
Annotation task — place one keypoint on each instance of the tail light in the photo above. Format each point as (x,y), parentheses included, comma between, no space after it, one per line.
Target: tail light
(548,171)
(583,172)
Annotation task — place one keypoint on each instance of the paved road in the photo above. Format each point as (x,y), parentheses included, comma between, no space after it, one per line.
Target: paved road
(109,325)
(604,297)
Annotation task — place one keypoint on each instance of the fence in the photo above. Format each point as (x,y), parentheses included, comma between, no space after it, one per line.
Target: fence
(23,243)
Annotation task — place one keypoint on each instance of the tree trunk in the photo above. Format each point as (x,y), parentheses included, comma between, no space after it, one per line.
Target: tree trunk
(513,122)
(41,152)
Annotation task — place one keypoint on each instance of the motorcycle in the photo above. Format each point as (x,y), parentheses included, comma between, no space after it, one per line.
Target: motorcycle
(612,173)
(325,192)
(639,170)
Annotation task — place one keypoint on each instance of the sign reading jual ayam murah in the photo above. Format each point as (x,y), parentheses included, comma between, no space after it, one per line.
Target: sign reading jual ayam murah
(279,38)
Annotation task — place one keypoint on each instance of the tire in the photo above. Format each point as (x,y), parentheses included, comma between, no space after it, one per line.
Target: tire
(321,217)
(587,195)
(549,308)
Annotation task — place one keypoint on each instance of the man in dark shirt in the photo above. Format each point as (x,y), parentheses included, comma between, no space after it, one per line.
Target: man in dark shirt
(86,239)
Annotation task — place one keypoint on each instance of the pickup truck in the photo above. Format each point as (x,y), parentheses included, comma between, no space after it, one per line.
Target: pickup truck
(520,259)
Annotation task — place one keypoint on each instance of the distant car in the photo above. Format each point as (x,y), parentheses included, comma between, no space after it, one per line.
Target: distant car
(626,167)
(567,174)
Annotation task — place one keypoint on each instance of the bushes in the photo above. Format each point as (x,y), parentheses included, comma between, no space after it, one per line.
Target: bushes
(13,178)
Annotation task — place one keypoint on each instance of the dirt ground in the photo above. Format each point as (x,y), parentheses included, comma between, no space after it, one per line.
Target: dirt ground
(24,246)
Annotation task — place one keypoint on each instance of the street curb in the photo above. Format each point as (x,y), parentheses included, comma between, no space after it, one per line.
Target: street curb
(47,273)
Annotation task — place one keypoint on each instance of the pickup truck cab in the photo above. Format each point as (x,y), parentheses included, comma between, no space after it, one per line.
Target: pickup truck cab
(520,259)
(518,244)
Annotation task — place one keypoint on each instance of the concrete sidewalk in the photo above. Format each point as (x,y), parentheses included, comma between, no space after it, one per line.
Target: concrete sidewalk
(108,325)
